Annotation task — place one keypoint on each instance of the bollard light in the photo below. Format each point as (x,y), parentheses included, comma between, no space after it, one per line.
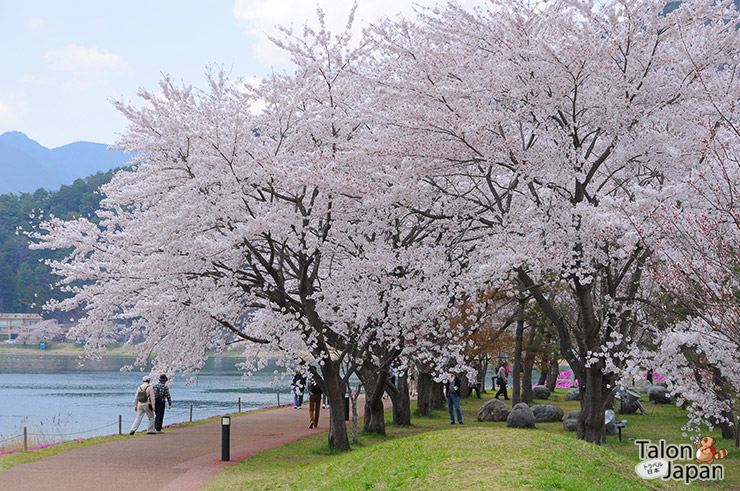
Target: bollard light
(225,437)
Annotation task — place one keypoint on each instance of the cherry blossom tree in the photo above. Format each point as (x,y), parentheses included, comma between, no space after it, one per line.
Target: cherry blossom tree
(553,128)
(697,263)
(270,227)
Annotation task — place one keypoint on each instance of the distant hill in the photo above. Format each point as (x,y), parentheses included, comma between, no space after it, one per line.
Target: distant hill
(26,165)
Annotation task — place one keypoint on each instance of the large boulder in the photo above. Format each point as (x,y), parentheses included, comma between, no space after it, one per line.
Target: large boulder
(573,395)
(521,416)
(540,392)
(494,410)
(627,407)
(659,395)
(570,424)
(547,413)
(571,421)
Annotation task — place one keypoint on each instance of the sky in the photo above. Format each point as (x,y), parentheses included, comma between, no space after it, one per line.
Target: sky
(62,62)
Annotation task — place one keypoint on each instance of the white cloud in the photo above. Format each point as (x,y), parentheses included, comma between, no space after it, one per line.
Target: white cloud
(79,58)
(36,24)
(259,17)
(7,115)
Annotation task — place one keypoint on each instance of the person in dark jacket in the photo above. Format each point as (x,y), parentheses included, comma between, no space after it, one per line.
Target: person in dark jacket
(452,392)
(298,386)
(501,379)
(161,394)
(314,402)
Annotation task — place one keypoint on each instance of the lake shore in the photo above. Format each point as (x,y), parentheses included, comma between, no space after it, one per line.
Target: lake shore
(118,350)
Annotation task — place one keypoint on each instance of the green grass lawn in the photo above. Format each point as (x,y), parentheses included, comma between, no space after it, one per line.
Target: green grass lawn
(432,455)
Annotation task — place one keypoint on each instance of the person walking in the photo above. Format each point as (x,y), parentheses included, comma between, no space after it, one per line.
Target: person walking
(298,386)
(501,378)
(452,391)
(314,402)
(144,404)
(161,393)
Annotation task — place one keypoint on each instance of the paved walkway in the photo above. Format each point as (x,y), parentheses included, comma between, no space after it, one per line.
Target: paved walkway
(177,460)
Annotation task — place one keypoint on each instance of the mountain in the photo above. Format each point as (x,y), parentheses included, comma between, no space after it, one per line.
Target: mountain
(26,165)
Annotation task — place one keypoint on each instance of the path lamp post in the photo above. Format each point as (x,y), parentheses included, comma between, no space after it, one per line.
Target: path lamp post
(225,437)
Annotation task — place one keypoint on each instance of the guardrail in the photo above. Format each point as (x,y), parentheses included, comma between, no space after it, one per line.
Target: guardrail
(67,435)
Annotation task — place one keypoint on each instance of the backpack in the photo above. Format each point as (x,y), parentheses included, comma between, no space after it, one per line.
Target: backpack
(141,395)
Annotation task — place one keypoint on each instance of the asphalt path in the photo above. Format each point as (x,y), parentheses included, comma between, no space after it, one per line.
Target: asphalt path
(176,460)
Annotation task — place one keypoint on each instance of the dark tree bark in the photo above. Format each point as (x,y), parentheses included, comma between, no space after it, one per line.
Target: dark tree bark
(334,387)
(528,365)
(544,371)
(424,392)
(516,396)
(591,421)
(464,386)
(438,396)
(374,381)
(401,401)
(552,377)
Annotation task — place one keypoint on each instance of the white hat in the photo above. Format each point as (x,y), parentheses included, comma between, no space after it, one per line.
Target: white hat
(146,378)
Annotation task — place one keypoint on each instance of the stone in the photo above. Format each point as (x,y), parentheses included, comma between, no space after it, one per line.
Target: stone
(494,410)
(540,392)
(570,424)
(547,413)
(609,422)
(627,407)
(642,384)
(573,395)
(659,395)
(574,414)
(521,416)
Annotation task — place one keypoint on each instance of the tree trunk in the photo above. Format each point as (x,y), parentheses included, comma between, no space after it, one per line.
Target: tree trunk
(401,401)
(528,364)
(338,438)
(483,363)
(591,421)
(516,396)
(544,372)
(424,392)
(374,382)
(552,377)
(438,396)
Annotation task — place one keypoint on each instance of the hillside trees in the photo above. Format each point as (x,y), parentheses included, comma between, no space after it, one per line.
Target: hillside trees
(553,128)
(25,281)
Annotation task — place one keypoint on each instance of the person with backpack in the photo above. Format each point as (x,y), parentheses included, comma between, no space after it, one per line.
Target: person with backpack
(298,386)
(314,402)
(161,393)
(144,404)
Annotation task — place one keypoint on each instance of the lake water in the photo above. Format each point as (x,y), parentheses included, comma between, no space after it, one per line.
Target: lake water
(89,400)
(36,391)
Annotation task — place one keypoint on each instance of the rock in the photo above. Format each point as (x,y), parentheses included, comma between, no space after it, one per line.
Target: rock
(547,413)
(642,384)
(609,420)
(574,414)
(627,407)
(659,395)
(540,392)
(494,410)
(521,416)
(573,395)
(570,424)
